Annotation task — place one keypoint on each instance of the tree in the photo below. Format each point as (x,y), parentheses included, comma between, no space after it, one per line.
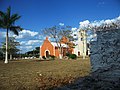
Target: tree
(1,54)
(7,22)
(34,52)
(57,33)
(12,46)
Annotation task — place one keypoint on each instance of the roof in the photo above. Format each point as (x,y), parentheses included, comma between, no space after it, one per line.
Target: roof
(56,45)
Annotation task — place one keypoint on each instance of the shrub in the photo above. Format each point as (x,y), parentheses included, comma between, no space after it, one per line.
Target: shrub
(43,57)
(1,56)
(52,57)
(37,56)
(67,54)
(73,56)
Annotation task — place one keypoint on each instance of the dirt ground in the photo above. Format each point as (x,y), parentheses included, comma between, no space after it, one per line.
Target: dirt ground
(40,75)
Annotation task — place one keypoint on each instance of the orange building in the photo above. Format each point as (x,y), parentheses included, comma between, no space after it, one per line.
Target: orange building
(51,48)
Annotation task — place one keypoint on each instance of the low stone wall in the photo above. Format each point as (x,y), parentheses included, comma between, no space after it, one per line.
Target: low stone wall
(105,52)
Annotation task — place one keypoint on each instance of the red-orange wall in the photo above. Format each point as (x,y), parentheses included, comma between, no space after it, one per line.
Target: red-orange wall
(53,51)
(47,46)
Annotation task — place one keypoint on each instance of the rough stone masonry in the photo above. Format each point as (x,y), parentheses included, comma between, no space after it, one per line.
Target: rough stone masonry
(105,53)
(105,62)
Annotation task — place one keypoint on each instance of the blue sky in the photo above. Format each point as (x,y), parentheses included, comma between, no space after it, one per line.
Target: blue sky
(39,14)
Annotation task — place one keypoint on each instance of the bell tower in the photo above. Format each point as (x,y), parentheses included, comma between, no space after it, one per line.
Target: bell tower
(82,42)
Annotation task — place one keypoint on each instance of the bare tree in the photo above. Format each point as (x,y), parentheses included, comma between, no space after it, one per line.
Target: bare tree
(56,33)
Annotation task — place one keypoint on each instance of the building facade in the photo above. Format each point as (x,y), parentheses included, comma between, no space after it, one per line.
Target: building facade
(51,48)
(81,47)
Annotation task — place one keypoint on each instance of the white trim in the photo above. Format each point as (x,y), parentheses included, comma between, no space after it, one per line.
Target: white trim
(56,45)
(40,52)
(54,50)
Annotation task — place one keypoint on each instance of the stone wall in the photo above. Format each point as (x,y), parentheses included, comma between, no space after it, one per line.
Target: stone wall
(105,52)
(105,62)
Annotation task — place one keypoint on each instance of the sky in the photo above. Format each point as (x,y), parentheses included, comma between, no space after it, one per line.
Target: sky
(39,14)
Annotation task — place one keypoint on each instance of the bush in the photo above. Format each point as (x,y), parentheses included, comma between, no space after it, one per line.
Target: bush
(43,57)
(67,54)
(52,57)
(37,56)
(1,56)
(72,56)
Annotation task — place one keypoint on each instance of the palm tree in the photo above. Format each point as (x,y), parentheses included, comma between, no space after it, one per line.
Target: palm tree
(7,22)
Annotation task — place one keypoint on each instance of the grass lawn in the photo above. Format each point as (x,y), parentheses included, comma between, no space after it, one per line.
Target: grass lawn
(40,75)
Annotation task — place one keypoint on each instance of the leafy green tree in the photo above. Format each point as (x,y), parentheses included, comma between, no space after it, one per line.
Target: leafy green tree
(7,21)
(12,47)
(1,54)
(34,52)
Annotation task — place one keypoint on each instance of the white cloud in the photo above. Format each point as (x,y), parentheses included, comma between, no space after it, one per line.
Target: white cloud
(61,24)
(26,34)
(74,29)
(118,18)
(28,39)
(108,21)
(102,24)
(96,23)
(33,42)
(22,42)
(29,45)
(74,32)
(84,24)
(2,34)
(30,42)
(26,48)
(41,37)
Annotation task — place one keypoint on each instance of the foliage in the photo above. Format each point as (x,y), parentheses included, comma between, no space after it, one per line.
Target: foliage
(37,55)
(67,54)
(7,21)
(12,46)
(72,56)
(43,57)
(1,54)
(52,57)
(34,52)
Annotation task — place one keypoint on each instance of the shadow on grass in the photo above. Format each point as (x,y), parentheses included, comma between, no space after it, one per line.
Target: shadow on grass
(92,82)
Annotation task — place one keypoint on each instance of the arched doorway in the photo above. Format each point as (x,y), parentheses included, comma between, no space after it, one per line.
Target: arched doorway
(47,54)
(78,53)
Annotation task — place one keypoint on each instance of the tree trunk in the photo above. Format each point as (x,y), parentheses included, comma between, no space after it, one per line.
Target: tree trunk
(10,56)
(60,55)
(6,54)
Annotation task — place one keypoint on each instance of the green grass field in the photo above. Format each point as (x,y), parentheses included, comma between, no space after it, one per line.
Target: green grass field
(40,75)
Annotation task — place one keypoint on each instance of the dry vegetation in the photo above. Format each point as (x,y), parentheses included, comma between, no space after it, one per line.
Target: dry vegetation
(41,75)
